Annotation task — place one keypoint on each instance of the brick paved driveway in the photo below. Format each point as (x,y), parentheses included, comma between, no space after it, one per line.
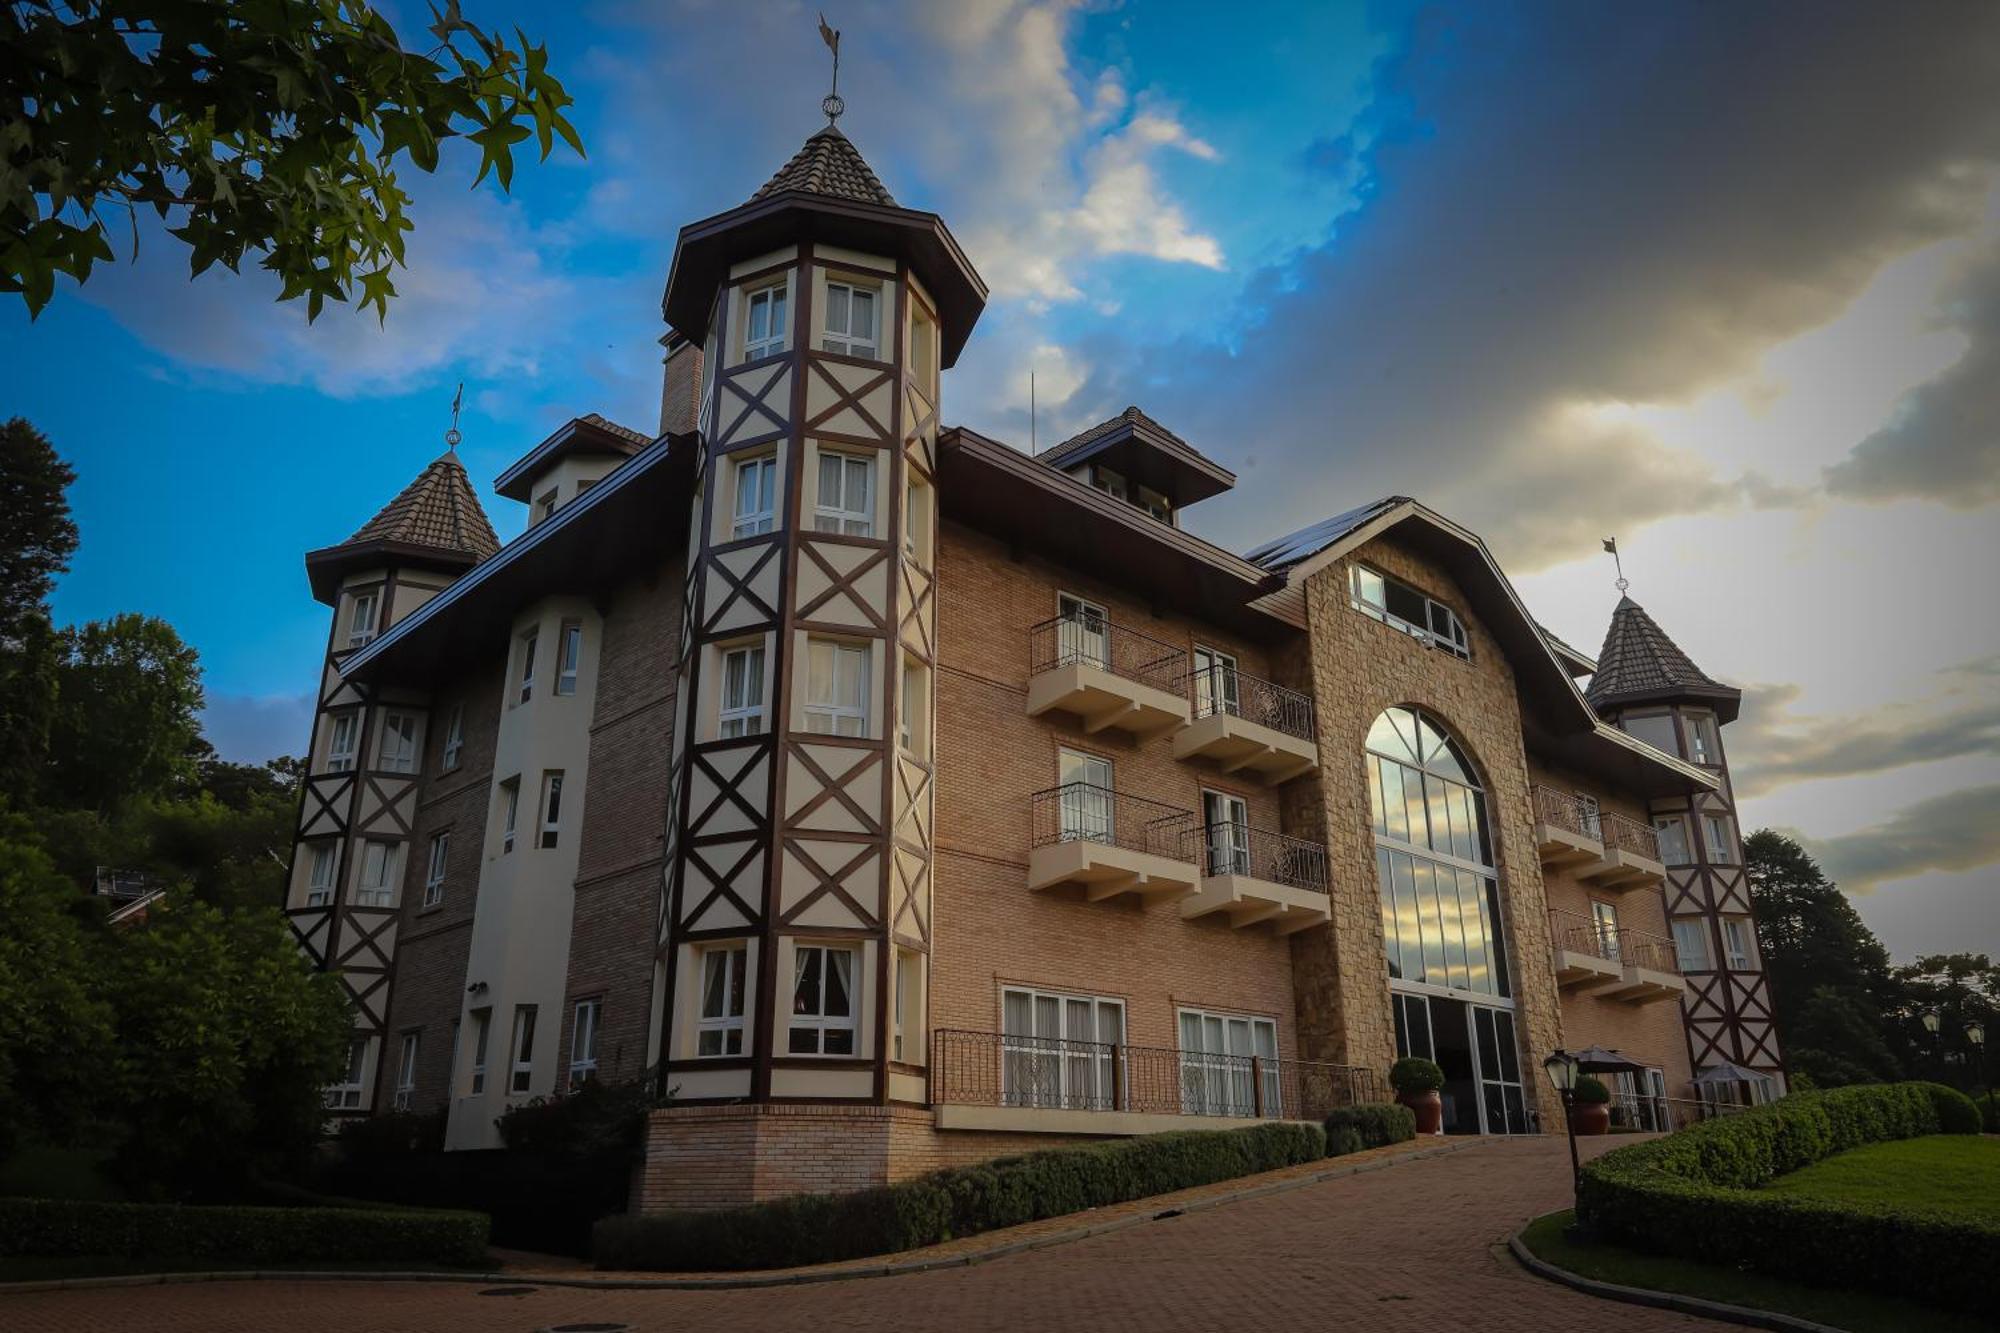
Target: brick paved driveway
(1409,1247)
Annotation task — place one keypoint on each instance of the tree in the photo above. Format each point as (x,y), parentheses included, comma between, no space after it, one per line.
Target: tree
(37,534)
(1830,977)
(272,129)
(1960,988)
(127,713)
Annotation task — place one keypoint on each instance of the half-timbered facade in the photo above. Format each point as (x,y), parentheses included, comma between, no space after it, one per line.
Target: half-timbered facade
(889,797)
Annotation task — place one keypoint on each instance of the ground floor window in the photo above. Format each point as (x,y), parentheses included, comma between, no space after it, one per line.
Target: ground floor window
(823,1017)
(1229,1065)
(1477,1048)
(1057,1050)
(1639,1100)
(406,1072)
(345,1094)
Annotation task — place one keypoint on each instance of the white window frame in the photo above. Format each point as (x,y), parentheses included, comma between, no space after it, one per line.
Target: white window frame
(510,796)
(454,737)
(545,504)
(320,886)
(345,1093)
(583,1041)
(1703,742)
(1443,628)
(1691,931)
(406,1072)
(569,656)
(550,834)
(403,729)
(342,742)
(362,628)
(913,709)
(1673,829)
(841,513)
(1083,631)
(1604,925)
(1061,1069)
(908,973)
(1086,807)
(723,1030)
(1591,815)
(521,1051)
(775,298)
(1718,835)
(740,711)
(439,857)
(757,479)
(831,716)
(1216,683)
(1739,943)
(1225,819)
(528,642)
(385,857)
(849,341)
(822,1026)
(482,1032)
(1218,1082)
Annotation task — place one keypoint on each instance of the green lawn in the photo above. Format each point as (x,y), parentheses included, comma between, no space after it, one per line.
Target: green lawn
(1950,1173)
(1856,1311)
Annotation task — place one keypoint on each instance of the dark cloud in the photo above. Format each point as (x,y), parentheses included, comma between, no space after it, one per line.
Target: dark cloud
(1943,441)
(1958,830)
(1587,204)
(1770,749)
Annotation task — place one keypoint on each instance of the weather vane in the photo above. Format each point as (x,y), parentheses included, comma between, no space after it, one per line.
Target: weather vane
(831,103)
(452,437)
(1611,545)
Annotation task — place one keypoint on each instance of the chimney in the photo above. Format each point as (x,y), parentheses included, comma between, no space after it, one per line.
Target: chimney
(680,390)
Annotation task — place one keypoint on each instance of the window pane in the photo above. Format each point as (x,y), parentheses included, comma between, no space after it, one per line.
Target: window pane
(1388,895)
(836,308)
(839,978)
(714,965)
(805,982)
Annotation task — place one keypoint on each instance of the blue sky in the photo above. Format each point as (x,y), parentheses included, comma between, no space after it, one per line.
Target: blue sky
(1724,283)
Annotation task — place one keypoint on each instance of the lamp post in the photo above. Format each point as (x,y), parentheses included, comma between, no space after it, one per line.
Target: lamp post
(1932,1021)
(1975,1034)
(1561,1068)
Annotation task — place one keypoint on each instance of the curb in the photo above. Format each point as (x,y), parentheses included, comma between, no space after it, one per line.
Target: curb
(803,1277)
(1662,1300)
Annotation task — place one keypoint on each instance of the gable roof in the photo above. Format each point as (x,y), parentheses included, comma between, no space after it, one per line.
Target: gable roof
(587,434)
(1149,452)
(435,521)
(829,164)
(1640,662)
(1297,547)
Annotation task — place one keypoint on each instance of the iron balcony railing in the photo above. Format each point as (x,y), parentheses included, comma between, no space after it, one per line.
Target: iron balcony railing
(1239,849)
(1664,1115)
(1629,835)
(1559,809)
(1578,933)
(1055,1073)
(1083,812)
(1224,689)
(1081,638)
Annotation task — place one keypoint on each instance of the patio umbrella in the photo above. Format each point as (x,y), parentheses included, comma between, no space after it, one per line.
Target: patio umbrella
(1724,1073)
(1598,1060)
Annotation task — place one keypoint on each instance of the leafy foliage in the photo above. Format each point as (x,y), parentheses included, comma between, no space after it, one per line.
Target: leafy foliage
(272,129)
(128,700)
(1375,1125)
(596,1118)
(819,1228)
(34,513)
(270,1236)
(1591,1092)
(1414,1074)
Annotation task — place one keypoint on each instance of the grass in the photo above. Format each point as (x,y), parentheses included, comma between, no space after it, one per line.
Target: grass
(1956,1174)
(1858,1312)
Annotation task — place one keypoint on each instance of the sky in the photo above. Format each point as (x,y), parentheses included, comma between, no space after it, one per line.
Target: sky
(1721,281)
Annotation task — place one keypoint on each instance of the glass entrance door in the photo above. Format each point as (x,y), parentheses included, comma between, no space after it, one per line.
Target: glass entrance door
(1086,796)
(1227,819)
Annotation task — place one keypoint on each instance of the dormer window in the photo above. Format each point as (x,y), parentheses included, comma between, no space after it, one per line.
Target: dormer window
(361,619)
(850,320)
(545,505)
(1402,607)
(1104,479)
(764,322)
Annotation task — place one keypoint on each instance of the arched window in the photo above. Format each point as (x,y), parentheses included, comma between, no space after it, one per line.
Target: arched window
(1433,858)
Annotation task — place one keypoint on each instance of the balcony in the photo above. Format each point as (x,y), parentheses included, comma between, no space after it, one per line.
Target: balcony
(1243,724)
(1630,966)
(1566,831)
(988,1080)
(1108,843)
(1254,876)
(1606,849)
(1631,856)
(1107,676)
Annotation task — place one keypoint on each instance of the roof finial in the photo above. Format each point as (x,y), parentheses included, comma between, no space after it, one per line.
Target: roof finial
(452,437)
(1611,545)
(831,103)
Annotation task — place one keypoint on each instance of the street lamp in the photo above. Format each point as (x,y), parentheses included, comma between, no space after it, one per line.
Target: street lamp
(1975,1033)
(1561,1068)
(1932,1021)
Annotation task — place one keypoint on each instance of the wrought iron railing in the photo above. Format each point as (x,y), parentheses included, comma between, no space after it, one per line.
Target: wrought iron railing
(1664,1115)
(1081,638)
(1054,1073)
(1629,835)
(1224,689)
(1083,812)
(1239,849)
(1578,933)
(1559,809)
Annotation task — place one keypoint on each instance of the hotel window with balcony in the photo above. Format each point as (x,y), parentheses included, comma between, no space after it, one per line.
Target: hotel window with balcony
(851,321)
(345,1095)
(764,320)
(756,497)
(719,1029)
(1691,943)
(510,811)
(526,655)
(406,1072)
(434,868)
(1227,820)
(454,738)
(378,874)
(319,878)
(1086,810)
(836,688)
(1056,1050)
(1216,687)
(362,615)
(583,1042)
(1719,835)
(552,789)
(340,744)
(569,656)
(1083,633)
(482,1025)
(1604,921)
(1739,943)
(1223,1056)
(1672,831)
(397,751)
(1590,815)
(1402,607)
(823,1007)
(846,500)
(521,1070)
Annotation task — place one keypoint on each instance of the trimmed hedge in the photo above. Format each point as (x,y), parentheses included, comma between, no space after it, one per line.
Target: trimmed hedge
(961,1201)
(536,1201)
(1697,1194)
(265,1237)
(1373,1125)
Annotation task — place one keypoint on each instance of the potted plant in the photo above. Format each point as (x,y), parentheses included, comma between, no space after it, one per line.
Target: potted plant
(1416,1082)
(1590,1106)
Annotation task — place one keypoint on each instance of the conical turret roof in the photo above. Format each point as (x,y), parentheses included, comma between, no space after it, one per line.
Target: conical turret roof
(1640,662)
(831,165)
(435,521)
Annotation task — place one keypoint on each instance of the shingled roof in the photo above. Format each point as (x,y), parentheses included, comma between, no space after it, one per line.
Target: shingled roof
(438,510)
(1638,661)
(829,164)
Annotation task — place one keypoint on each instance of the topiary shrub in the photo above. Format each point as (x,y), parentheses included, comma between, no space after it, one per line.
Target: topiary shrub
(1412,1075)
(823,1228)
(1590,1092)
(1378,1124)
(1696,1194)
(1956,1112)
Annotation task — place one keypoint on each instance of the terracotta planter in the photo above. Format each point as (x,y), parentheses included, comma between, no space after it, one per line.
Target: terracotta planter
(1591,1118)
(1429,1109)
